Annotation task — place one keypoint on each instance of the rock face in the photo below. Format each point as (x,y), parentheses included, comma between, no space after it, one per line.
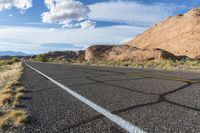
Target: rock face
(176,37)
(179,35)
(124,53)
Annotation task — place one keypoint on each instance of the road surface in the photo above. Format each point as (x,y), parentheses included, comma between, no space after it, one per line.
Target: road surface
(149,100)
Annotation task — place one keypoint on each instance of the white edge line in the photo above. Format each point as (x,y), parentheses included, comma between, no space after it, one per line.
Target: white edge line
(114,118)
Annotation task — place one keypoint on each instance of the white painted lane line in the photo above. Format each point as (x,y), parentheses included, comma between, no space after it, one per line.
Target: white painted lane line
(114,118)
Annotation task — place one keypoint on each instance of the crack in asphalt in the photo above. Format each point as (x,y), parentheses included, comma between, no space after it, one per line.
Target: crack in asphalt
(125,88)
(162,98)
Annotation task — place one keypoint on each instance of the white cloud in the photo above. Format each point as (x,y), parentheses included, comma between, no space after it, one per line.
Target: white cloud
(68,13)
(29,39)
(19,4)
(131,12)
(88,24)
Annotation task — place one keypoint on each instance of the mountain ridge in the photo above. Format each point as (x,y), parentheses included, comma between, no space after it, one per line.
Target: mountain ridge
(13,53)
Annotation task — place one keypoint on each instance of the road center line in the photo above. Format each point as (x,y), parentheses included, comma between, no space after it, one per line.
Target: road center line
(114,118)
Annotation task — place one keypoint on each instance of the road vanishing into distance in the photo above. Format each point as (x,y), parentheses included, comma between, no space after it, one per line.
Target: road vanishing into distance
(92,99)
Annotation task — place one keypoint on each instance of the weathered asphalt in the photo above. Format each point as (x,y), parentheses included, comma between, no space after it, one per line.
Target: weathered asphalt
(154,101)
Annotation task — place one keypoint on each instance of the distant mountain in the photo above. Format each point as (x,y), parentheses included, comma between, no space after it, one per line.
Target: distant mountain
(12,53)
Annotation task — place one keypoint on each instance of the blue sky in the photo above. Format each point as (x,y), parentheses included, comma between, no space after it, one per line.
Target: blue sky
(36,26)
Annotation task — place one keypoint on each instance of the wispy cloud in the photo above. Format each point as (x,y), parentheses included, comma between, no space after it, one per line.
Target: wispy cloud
(131,12)
(60,45)
(32,40)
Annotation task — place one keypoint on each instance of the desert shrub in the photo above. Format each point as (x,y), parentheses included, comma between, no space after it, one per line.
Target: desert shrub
(41,58)
(63,60)
(9,62)
(6,62)
(15,59)
(50,60)
(80,59)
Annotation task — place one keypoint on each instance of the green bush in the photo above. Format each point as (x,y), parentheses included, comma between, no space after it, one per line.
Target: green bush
(9,62)
(15,59)
(42,58)
(6,62)
(63,60)
(50,60)
(80,59)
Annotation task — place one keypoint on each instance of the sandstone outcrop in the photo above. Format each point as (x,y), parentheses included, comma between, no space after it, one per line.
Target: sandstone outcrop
(176,37)
(179,35)
(124,53)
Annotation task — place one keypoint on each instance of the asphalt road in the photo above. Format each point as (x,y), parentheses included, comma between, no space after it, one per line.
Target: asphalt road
(153,101)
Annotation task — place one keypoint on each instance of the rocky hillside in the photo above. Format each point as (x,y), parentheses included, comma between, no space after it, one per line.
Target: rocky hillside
(179,35)
(176,37)
(64,54)
(125,53)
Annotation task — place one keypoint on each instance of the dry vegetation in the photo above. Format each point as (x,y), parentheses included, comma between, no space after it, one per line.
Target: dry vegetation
(10,94)
(185,64)
(167,64)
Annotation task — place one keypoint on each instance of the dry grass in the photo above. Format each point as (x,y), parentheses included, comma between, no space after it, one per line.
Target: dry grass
(15,103)
(10,94)
(7,91)
(10,74)
(5,99)
(168,64)
(184,65)
(14,117)
(18,116)
(19,89)
(19,95)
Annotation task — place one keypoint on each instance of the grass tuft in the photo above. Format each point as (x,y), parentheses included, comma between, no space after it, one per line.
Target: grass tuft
(19,95)
(16,117)
(19,89)
(5,99)
(15,103)
(6,91)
